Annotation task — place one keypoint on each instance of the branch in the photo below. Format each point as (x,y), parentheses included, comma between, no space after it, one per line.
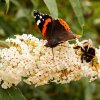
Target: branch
(28,60)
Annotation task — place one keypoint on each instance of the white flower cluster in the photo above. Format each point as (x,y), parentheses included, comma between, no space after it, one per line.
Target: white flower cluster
(28,60)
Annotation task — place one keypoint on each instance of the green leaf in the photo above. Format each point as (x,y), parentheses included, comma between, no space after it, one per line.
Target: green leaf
(88,89)
(16,3)
(35,3)
(78,12)
(7,5)
(43,95)
(4,95)
(7,27)
(52,6)
(16,94)
(11,94)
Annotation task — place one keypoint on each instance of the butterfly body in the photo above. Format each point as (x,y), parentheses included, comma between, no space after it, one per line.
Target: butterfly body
(56,31)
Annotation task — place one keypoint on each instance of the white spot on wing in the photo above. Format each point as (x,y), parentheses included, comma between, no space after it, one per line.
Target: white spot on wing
(38,22)
(40,17)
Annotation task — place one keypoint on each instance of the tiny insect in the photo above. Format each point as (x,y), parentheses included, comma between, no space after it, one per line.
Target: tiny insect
(87,52)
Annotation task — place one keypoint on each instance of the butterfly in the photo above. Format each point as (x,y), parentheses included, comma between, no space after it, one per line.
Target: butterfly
(55,31)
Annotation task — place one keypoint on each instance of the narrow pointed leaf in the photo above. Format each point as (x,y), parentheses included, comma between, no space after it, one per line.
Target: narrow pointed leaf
(4,95)
(7,5)
(35,3)
(76,5)
(52,6)
(11,94)
(16,94)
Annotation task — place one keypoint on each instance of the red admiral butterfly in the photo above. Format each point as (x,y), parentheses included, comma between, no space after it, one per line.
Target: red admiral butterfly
(56,31)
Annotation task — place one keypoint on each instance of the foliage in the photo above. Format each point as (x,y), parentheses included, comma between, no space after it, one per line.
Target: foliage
(78,12)
(16,18)
(51,5)
(11,94)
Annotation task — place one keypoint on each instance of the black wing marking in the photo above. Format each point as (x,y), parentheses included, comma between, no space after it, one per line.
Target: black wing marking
(40,19)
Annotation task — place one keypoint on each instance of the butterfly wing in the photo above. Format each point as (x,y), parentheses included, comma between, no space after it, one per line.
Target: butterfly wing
(55,31)
(60,32)
(43,21)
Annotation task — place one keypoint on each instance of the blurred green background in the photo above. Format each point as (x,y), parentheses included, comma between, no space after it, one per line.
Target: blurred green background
(19,19)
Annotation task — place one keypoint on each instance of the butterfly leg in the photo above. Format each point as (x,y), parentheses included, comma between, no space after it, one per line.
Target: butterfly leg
(53,53)
(48,45)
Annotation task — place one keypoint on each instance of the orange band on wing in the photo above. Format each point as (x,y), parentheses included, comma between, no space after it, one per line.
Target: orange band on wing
(45,26)
(65,25)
